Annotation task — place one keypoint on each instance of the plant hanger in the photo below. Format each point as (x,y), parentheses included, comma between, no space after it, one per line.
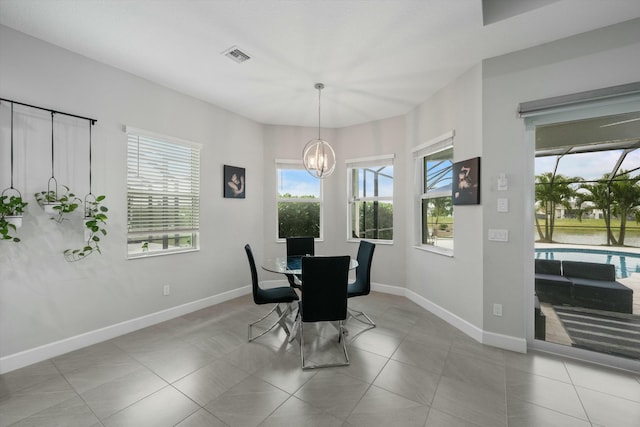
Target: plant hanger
(53,178)
(89,199)
(55,204)
(11,161)
(11,207)
(43,197)
(94,219)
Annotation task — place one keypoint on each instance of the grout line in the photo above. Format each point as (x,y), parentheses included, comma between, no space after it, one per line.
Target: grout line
(573,384)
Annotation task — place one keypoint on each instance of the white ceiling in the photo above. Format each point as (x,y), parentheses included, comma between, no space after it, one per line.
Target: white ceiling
(377,58)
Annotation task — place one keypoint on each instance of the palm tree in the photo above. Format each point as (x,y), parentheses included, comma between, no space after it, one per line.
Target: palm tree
(625,195)
(580,198)
(438,207)
(552,190)
(600,197)
(617,197)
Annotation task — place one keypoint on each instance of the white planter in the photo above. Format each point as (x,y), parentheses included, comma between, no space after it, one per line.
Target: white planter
(49,208)
(15,220)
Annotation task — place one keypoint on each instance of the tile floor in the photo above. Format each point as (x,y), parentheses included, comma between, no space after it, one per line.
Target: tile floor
(412,370)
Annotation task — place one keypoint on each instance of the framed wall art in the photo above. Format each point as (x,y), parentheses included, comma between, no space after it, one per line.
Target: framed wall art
(234,182)
(465,189)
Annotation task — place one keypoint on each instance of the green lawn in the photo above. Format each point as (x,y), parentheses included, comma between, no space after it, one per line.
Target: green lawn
(592,224)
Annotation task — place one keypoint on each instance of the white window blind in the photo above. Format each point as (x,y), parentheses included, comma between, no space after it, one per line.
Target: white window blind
(163,185)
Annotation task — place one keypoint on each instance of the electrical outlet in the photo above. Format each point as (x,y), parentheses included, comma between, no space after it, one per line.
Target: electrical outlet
(497,310)
(166,290)
(503,205)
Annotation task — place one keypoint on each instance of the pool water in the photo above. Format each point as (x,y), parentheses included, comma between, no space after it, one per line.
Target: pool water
(625,263)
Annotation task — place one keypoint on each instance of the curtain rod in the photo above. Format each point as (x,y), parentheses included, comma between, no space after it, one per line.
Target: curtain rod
(93,121)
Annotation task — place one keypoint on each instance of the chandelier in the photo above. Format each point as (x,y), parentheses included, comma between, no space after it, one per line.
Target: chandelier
(318,156)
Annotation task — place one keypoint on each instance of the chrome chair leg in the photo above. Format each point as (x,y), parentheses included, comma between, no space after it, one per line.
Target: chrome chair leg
(295,329)
(280,321)
(357,314)
(341,338)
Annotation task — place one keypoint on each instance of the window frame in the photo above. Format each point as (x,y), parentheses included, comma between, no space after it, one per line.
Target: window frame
(420,152)
(192,232)
(297,165)
(365,163)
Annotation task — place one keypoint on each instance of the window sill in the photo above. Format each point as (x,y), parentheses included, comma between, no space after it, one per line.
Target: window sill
(435,249)
(155,254)
(377,242)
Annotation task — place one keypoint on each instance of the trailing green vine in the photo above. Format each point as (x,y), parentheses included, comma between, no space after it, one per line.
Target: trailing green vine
(95,222)
(58,205)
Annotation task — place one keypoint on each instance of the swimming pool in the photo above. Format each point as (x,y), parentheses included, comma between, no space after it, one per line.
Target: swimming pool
(624,262)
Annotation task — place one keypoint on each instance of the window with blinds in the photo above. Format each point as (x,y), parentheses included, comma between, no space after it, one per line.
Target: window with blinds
(163,194)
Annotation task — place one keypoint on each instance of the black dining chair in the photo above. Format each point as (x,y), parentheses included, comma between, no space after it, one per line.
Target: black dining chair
(324,299)
(299,246)
(362,284)
(281,295)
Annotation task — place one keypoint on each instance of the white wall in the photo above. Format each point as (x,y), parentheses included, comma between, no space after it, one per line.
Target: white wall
(452,285)
(287,143)
(601,58)
(370,139)
(46,303)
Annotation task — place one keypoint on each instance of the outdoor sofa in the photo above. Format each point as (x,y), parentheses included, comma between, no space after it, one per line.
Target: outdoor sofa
(581,284)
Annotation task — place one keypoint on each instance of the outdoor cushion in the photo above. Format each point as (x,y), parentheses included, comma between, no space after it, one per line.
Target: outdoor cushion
(589,270)
(601,295)
(540,325)
(548,266)
(608,284)
(553,289)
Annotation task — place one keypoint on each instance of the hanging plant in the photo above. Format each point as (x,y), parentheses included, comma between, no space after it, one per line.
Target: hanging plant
(95,219)
(11,216)
(58,205)
(11,207)
(53,203)
(94,222)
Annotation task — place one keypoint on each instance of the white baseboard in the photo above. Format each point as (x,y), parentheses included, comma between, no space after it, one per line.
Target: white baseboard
(453,319)
(387,289)
(47,351)
(505,342)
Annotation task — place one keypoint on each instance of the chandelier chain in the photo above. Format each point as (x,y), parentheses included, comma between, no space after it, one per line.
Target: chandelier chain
(319,92)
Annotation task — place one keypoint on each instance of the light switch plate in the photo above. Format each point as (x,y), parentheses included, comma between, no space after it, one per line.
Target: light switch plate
(502,182)
(497,235)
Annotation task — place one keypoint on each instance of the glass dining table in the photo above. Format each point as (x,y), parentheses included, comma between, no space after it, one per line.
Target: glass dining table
(292,264)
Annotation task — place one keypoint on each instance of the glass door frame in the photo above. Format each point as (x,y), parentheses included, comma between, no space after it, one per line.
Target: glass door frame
(586,110)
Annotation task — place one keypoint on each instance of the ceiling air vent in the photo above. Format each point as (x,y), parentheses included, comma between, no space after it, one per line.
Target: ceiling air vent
(236,54)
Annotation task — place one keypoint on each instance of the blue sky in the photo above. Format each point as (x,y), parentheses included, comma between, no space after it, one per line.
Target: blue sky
(298,182)
(587,165)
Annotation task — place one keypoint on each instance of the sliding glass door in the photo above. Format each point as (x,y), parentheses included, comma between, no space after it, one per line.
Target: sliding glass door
(585,198)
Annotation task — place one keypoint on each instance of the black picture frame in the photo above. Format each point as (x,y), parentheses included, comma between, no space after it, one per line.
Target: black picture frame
(234,182)
(465,189)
